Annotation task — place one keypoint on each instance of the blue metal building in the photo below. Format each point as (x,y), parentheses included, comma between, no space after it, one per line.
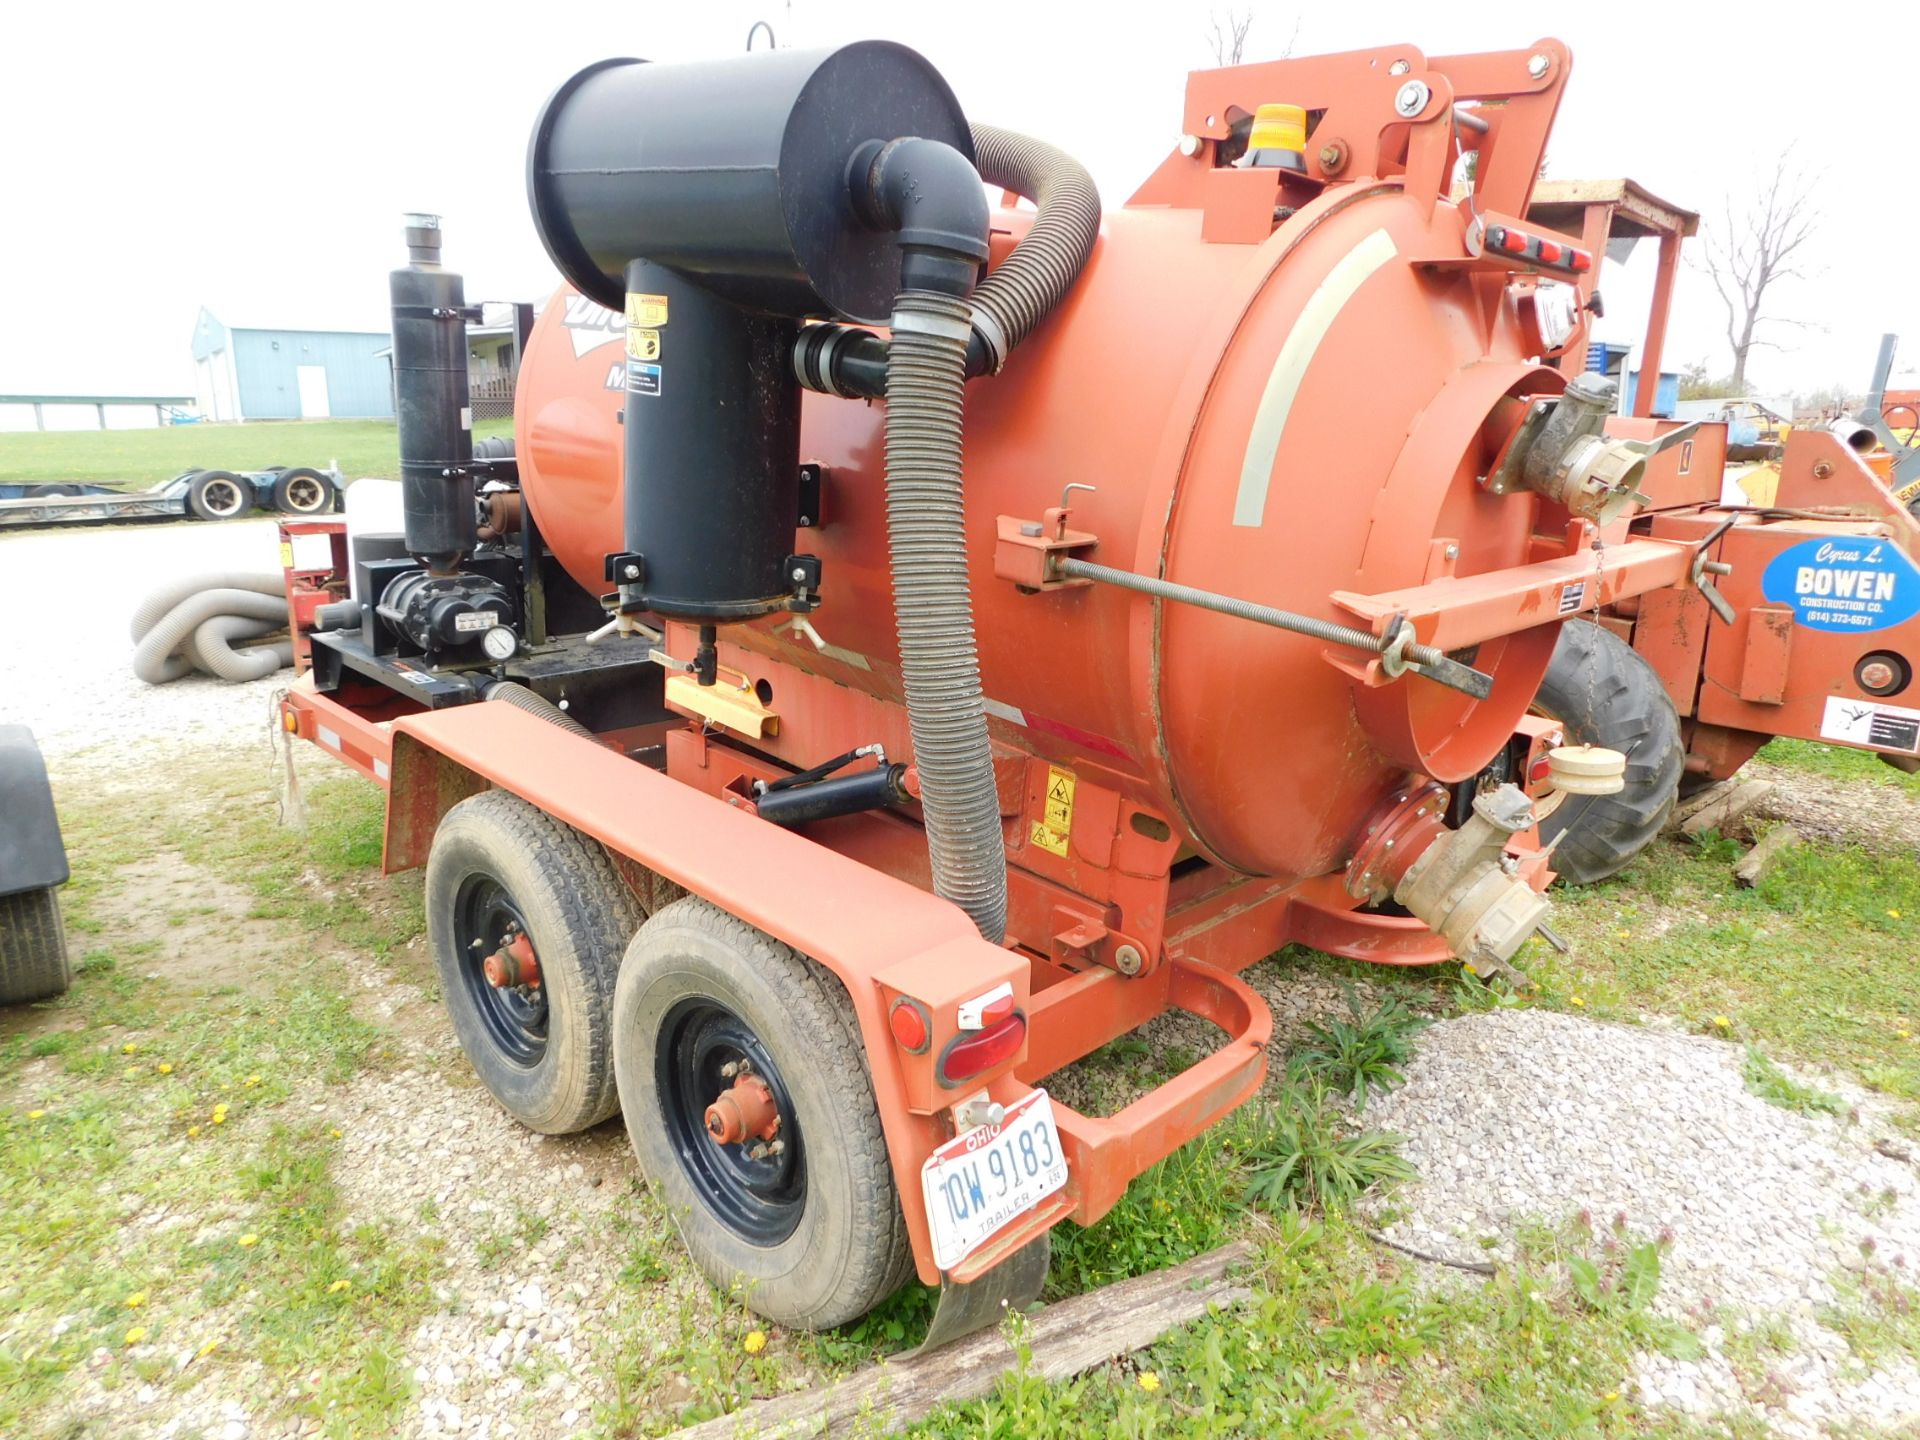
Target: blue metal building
(253,374)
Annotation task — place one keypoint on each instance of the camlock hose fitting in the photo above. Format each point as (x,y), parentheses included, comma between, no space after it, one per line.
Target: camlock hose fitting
(933,606)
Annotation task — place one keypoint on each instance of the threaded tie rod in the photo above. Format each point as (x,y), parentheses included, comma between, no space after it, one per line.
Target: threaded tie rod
(1398,647)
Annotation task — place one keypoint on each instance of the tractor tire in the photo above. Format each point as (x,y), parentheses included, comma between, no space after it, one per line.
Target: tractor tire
(1605,694)
(33,948)
(544,1050)
(301,491)
(812,1234)
(219,495)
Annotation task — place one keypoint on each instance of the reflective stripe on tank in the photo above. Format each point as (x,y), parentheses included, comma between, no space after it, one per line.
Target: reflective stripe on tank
(1290,368)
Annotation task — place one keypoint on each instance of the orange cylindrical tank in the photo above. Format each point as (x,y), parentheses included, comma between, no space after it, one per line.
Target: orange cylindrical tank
(1278,422)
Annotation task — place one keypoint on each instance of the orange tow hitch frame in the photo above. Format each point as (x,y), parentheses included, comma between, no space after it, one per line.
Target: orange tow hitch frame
(1188,657)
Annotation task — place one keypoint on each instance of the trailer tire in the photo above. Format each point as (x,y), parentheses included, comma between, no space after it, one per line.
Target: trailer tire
(219,495)
(302,491)
(1604,693)
(544,1051)
(33,948)
(813,1236)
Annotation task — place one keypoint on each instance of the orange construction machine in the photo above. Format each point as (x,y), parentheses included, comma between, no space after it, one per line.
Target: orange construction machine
(916,640)
(1804,620)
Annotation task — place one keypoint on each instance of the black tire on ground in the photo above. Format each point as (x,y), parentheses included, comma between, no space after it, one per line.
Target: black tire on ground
(301,491)
(33,948)
(545,1051)
(219,495)
(813,1234)
(1605,694)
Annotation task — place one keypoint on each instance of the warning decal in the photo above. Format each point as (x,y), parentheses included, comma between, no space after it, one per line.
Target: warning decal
(1055,824)
(1572,597)
(1867,722)
(647,312)
(1853,583)
(642,379)
(643,344)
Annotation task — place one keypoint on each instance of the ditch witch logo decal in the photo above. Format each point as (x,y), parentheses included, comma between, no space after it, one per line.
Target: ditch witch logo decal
(588,327)
(1853,583)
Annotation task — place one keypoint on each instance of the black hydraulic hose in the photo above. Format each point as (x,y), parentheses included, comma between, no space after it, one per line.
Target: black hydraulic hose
(842,795)
(933,606)
(1041,269)
(513,693)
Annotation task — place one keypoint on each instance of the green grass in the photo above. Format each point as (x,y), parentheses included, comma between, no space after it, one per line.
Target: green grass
(1776,1087)
(1363,1051)
(1819,964)
(139,458)
(162,1203)
(1836,762)
(1339,1342)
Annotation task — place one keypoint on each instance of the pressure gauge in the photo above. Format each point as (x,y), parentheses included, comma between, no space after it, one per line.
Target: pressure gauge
(500,643)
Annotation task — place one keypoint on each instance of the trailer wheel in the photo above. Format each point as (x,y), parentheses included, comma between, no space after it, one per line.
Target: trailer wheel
(800,1208)
(527,919)
(301,491)
(219,495)
(33,948)
(1605,694)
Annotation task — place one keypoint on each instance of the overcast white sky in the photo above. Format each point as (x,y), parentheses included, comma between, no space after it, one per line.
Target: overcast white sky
(256,158)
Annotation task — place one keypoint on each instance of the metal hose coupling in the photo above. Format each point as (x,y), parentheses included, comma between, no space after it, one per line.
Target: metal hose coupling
(1465,888)
(933,605)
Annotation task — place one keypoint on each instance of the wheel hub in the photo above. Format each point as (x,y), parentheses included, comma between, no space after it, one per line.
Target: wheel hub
(732,1121)
(513,964)
(745,1109)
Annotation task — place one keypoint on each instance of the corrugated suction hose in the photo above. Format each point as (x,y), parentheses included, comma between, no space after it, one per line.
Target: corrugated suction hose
(192,625)
(1044,264)
(511,692)
(933,607)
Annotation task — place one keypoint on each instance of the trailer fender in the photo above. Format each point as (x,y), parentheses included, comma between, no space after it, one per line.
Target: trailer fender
(32,854)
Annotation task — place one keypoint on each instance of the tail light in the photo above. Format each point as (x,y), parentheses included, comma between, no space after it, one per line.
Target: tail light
(975,1052)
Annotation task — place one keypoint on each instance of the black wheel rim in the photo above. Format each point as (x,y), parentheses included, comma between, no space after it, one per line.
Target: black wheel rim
(513,1017)
(759,1200)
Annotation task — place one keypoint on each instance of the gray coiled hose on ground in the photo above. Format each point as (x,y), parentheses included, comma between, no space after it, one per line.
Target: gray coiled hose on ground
(933,608)
(192,625)
(1042,267)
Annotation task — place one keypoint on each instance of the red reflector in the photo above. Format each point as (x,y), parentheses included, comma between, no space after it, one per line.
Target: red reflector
(1538,770)
(1550,252)
(1513,241)
(980,1051)
(909,1025)
(1579,260)
(994,1012)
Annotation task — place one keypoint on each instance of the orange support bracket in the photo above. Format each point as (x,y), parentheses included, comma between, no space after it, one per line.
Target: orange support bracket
(1453,612)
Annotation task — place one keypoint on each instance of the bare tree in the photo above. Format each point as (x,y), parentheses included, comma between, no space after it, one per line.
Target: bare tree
(1229,37)
(1759,247)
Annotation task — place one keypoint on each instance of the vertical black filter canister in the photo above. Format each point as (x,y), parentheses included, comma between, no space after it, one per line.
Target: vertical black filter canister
(431,402)
(712,435)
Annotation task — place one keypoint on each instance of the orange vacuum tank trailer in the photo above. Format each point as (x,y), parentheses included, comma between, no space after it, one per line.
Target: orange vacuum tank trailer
(980,630)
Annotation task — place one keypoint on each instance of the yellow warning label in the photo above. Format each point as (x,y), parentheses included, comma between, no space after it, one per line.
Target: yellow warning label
(1907,494)
(643,344)
(1055,824)
(286,554)
(649,312)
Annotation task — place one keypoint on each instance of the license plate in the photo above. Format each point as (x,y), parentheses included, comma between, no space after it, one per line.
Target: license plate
(979,1182)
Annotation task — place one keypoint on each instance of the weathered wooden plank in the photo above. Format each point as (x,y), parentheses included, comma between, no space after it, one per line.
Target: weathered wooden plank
(1686,809)
(1065,1339)
(1728,810)
(1756,862)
